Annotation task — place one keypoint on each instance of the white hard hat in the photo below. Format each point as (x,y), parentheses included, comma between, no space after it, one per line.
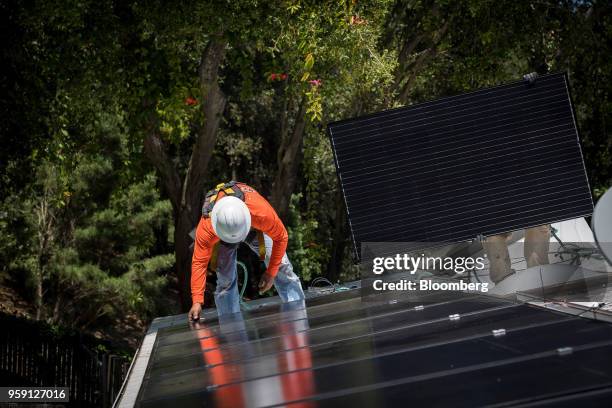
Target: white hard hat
(231,219)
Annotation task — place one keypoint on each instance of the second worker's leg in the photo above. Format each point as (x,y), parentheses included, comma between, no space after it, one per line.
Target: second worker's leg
(496,247)
(537,243)
(227,297)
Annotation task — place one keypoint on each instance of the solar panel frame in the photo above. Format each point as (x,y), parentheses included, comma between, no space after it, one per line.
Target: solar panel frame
(525,135)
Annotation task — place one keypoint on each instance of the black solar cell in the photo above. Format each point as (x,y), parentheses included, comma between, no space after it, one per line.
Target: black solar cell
(378,357)
(505,382)
(494,160)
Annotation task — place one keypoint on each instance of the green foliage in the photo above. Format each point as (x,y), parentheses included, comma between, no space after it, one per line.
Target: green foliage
(307,255)
(88,241)
(119,235)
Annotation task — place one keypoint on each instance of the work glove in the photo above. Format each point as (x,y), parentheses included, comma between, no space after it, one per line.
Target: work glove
(265,283)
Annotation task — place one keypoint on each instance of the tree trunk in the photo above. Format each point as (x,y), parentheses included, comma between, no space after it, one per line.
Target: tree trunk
(39,293)
(185,222)
(56,309)
(45,222)
(186,195)
(289,160)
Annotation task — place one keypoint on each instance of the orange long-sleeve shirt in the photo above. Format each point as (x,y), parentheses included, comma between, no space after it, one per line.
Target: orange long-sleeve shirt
(263,218)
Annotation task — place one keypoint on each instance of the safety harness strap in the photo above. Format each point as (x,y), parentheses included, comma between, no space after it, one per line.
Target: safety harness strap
(262,245)
(230,188)
(213,258)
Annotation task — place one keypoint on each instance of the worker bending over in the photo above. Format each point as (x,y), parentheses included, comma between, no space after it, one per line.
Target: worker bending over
(229,212)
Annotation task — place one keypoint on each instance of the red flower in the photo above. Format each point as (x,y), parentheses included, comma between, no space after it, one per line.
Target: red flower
(356,20)
(315,82)
(189,101)
(278,76)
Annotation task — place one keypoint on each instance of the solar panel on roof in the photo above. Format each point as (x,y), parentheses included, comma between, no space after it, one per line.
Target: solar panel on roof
(377,356)
(494,160)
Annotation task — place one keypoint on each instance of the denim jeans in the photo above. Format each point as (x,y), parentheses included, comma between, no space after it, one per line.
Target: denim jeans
(227,298)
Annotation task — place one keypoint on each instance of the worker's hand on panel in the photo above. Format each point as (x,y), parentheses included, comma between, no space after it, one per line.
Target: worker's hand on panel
(265,283)
(194,312)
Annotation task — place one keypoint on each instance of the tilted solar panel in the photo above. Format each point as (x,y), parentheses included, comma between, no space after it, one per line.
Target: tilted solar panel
(493,160)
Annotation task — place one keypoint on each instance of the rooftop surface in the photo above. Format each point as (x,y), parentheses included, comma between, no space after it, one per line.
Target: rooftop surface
(436,349)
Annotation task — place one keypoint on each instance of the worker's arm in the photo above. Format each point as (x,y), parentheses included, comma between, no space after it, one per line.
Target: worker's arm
(202,251)
(265,219)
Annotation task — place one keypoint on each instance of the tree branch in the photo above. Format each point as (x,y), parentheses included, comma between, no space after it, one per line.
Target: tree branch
(288,164)
(213,105)
(284,125)
(292,145)
(407,87)
(155,151)
(407,49)
(410,75)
